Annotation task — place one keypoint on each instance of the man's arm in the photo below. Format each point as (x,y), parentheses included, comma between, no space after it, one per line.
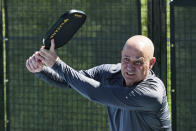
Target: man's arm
(34,64)
(49,76)
(145,96)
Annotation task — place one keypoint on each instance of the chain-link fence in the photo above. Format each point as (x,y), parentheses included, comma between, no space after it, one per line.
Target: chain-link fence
(183,42)
(36,106)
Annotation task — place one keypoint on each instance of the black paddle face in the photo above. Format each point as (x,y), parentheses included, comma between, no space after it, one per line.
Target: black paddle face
(64,29)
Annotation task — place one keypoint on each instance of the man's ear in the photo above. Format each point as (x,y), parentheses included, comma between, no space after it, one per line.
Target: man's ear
(152,62)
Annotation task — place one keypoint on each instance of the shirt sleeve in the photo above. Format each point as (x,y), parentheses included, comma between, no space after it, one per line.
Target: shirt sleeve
(146,96)
(51,77)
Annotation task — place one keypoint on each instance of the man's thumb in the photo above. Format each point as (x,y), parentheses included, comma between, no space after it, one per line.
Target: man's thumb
(52,45)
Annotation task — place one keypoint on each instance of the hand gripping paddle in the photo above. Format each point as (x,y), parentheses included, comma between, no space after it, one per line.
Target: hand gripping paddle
(64,28)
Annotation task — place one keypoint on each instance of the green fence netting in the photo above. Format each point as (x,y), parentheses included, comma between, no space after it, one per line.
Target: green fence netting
(36,106)
(183,29)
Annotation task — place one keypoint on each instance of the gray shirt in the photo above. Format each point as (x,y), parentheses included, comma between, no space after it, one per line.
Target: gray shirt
(140,107)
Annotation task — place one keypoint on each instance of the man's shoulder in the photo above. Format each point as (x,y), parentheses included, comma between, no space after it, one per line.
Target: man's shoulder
(111,68)
(103,71)
(152,75)
(153,81)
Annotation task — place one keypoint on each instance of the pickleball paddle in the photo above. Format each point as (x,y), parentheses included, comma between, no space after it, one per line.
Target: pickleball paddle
(64,28)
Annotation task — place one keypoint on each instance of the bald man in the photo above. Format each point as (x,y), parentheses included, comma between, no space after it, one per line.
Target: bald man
(135,98)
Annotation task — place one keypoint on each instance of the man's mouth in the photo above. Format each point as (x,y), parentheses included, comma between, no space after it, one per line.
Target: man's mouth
(130,73)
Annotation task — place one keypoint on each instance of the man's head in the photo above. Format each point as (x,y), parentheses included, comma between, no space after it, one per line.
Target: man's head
(137,59)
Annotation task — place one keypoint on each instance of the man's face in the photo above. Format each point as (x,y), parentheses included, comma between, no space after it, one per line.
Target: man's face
(135,65)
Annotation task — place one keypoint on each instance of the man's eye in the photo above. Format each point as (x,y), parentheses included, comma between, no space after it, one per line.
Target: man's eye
(126,59)
(138,62)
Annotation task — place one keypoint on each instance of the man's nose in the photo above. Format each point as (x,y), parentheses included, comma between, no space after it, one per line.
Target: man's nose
(130,67)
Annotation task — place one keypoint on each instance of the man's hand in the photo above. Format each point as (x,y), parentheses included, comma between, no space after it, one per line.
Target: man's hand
(33,64)
(48,57)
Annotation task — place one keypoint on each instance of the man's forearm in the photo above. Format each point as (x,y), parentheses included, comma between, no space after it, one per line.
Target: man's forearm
(51,77)
(75,79)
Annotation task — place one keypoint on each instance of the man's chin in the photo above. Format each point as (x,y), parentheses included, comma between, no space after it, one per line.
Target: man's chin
(130,82)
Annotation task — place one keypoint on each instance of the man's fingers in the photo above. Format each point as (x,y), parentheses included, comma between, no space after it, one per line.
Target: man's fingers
(43,53)
(52,45)
(28,66)
(39,58)
(32,63)
(48,56)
